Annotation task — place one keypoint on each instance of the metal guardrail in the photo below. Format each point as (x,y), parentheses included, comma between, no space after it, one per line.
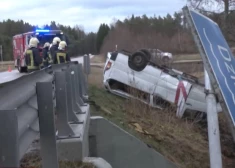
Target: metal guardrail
(28,106)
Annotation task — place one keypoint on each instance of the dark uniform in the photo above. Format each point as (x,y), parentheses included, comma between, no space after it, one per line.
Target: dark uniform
(53,49)
(61,57)
(33,59)
(47,60)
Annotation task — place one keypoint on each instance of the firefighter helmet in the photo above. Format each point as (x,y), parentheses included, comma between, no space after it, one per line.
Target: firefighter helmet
(46,45)
(62,45)
(33,42)
(56,40)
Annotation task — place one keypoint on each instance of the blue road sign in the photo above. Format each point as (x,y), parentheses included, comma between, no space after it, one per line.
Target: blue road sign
(219,56)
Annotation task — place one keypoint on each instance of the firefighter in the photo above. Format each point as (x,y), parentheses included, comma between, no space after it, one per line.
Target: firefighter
(61,56)
(50,46)
(32,56)
(54,47)
(47,60)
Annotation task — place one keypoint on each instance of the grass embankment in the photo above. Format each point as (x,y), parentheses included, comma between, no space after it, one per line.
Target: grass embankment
(183,141)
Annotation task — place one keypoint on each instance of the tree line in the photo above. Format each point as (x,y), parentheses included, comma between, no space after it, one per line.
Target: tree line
(169,33)
(165,33)
(79,42)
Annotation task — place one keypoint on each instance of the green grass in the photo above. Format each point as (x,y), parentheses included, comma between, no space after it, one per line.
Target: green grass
(105,104)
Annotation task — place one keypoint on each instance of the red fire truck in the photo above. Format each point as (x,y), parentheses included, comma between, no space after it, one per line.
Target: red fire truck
(21,42)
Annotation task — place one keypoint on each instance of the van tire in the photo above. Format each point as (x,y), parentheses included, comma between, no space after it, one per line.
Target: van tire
(138,61)
(147,53)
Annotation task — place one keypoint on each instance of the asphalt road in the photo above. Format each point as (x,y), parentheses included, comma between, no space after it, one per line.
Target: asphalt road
(14,74)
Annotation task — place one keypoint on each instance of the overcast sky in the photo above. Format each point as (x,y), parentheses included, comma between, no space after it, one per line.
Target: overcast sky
(88,13)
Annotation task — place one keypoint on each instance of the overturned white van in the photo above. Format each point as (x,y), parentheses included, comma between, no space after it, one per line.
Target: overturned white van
(160,85)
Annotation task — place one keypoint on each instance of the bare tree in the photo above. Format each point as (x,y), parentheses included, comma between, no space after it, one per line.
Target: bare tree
(224,7)
(211,6)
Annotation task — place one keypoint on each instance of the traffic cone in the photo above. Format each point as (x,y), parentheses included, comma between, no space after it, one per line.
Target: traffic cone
(9,68)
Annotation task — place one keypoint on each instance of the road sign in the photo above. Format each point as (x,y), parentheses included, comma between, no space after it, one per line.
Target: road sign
(218,60)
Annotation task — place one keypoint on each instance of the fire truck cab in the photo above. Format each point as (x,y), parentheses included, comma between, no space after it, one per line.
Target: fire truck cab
(21,42)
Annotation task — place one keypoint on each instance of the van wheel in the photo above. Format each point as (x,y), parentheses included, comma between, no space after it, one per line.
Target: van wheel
(146,52)
(138,61)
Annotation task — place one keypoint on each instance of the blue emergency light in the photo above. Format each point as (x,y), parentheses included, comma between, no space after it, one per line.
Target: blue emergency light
(43,30)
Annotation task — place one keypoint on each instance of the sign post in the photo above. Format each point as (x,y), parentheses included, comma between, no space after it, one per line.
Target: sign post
(213,125)
(1,54)
(218,61)
(219,64)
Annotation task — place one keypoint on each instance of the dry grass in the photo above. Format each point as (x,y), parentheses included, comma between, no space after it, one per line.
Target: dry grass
(4,67)
(98,59)
(7,63)
(33,160)
(187,57)
(176,139)
(94,78)
(190,68)
(181,140)
(198,74)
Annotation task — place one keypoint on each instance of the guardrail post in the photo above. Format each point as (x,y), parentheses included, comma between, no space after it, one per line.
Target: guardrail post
(64,128)
(70,98)
(77,85)
(47,125)
(83,81)
(88,67)
(9,144)
(213,125)
(77,99)
(79,82)
(84,63)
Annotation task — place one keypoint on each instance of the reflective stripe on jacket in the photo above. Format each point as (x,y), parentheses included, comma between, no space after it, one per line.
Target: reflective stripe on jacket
(61,57)
(30,60)
(50,57)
